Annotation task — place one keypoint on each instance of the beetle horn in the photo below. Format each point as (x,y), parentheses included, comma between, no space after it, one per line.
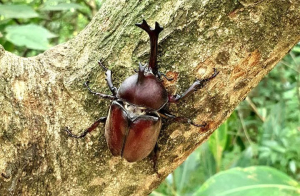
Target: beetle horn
(153,34)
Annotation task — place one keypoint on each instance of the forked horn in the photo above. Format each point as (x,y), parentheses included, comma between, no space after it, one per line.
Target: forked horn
(153,34)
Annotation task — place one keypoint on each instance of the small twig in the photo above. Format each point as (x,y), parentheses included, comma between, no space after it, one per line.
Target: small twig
(284,63)
(255,109)
(91,5)
(26,52)
(244,126)
(87,4)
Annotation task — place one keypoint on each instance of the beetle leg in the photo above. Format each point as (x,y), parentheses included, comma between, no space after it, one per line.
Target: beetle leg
(164,75)
(155,158)
(109,79)
(91,128)
(166,114)
(198,84)
(111,97)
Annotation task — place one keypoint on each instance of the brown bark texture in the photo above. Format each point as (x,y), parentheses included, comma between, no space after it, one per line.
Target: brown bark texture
(41,95)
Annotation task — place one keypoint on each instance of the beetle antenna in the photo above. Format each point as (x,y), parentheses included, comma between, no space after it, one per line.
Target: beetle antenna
(153,34)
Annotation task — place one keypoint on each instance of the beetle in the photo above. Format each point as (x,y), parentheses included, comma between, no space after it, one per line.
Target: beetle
(134,119)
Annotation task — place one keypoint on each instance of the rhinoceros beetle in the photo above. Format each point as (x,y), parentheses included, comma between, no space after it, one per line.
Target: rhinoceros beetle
(134,120)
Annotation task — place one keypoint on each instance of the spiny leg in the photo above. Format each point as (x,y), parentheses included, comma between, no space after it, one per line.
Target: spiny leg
(109,79)
(91,128)
(198,84)
(182,119)
(164,75)
(101,95)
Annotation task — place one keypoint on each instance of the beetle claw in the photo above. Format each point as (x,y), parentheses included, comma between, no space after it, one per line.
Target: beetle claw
(104,68)
(70,134)
(197,125)
(164,75)
(211,77)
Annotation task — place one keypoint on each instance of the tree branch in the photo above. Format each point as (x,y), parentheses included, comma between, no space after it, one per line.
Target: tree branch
(41,95)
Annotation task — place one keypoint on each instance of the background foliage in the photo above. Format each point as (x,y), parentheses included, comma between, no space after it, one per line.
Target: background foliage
(262,135)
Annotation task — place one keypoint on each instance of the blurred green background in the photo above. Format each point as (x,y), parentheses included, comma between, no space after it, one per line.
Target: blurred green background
(255,152)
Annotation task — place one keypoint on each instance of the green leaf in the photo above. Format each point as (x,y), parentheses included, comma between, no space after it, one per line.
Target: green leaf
(62,7)
(292,166)
(296,49)
(17,11)
(32,36)
(245,159)
(274,146)
(217,143)
(256,180)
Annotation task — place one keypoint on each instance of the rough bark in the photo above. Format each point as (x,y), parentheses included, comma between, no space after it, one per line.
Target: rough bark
(43,94)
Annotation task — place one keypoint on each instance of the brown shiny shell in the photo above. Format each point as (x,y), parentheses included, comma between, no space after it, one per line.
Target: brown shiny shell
(143,90)
(133,139)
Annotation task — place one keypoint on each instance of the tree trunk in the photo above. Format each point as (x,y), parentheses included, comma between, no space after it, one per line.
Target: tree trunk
(42,95)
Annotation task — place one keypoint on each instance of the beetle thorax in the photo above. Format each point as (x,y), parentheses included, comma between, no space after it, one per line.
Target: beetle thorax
(134,111)
(143,89)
